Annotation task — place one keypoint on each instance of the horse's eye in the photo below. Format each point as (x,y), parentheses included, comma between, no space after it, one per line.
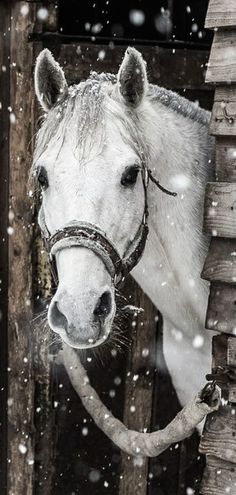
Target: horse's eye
(43,178)
(129,176)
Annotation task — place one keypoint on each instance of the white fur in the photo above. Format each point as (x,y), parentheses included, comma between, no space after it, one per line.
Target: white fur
(179,150)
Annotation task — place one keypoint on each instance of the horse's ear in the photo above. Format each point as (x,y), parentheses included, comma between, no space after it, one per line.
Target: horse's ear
(49,80)
(132,77)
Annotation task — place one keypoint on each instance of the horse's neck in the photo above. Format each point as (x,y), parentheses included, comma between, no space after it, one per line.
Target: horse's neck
(169,271)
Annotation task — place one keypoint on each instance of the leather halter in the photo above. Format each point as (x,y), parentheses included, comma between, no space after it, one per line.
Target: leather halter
(87,235)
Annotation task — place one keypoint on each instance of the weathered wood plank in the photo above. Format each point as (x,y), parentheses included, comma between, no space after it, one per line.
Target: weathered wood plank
(220,264)
(188,66)
(218,476)
(223,356)
(139,389)
(223,118)
(20,381)
(218,438)
(226,159)
(4,168)
(221,13)
(222,61)
(225,93)
(221,313)
(220,209)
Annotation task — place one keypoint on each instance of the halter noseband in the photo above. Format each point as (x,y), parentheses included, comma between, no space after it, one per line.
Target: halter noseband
(83,234)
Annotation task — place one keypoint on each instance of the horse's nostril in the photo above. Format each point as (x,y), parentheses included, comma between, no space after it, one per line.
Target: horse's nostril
(58,319)
(103,306)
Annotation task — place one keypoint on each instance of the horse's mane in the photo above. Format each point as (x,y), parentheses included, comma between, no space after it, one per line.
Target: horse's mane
(82,113)
(167,97)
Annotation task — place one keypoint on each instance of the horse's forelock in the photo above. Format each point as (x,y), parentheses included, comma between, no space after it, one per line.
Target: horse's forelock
(83,115)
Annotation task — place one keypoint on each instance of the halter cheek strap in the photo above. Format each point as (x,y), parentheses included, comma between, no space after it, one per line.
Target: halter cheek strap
(82,234)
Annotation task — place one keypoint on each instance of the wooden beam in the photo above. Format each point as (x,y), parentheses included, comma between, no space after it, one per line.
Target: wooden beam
(221,13)
(220,209)
(4,171)
(222,61)
(221,313)
(226,159)
(220,264)
(187,66)
(20,294)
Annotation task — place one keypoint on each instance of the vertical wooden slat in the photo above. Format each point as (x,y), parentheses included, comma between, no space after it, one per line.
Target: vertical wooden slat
(4,167)
(139,389)
(20,379)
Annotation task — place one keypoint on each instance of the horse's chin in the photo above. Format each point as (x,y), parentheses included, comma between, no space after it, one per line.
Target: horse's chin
(76,344)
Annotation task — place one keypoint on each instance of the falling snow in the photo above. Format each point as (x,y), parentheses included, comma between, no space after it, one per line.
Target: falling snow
(42,14)
(22,448)
(24,10)
(137,17)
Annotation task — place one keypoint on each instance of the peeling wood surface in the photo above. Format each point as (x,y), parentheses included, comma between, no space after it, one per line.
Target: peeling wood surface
(221,13)
(220,209)
(220,264)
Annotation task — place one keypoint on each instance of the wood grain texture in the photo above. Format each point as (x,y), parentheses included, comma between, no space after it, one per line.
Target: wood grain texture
(220,209)
(218,438)
(222,61)
(187,66)
(226,159)
(223,118)
(221,312)
(221,13)
(220,264)
(139,389)
(223,350)
(20,380)
(218,476)
(4,170)
(223,356)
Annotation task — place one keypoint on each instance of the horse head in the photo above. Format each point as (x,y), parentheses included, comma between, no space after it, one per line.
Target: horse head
(90,161)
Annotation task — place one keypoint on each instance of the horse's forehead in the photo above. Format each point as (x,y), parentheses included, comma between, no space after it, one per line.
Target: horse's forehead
(66,154)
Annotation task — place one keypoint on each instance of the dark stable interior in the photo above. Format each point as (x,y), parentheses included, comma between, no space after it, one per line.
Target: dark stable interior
(137,20)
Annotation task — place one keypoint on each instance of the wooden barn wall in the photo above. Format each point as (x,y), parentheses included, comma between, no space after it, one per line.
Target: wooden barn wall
(4,167)
(66,453)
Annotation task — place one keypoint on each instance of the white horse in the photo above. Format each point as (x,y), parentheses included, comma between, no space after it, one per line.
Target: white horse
(89,160)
